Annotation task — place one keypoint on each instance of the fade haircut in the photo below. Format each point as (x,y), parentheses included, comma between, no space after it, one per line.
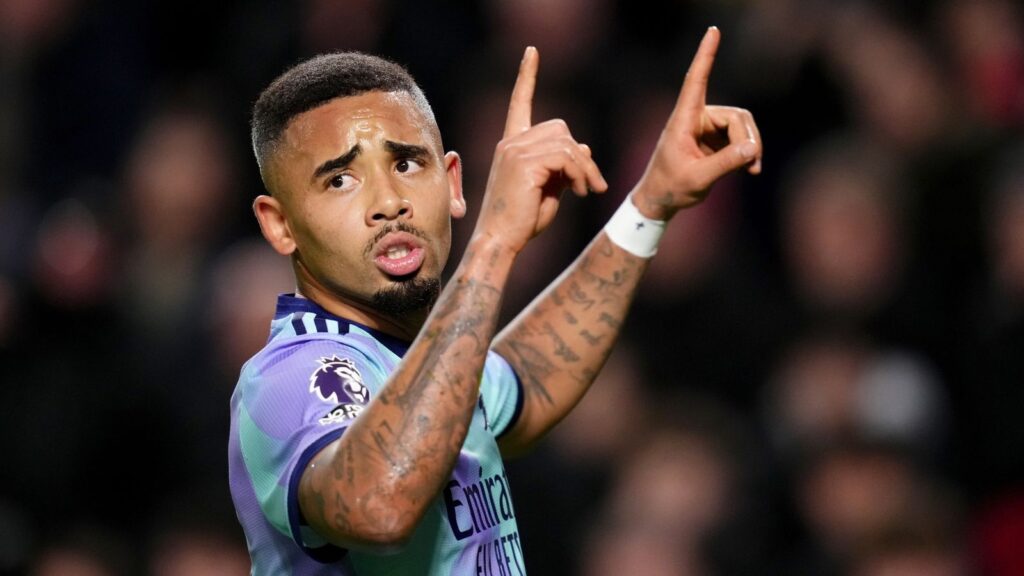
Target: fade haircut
(318,80)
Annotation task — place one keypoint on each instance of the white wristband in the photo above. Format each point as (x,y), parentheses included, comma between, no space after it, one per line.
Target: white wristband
(634,232)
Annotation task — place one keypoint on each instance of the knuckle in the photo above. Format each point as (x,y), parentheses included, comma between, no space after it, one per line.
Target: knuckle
(511,148)
(567,142)
(558,124)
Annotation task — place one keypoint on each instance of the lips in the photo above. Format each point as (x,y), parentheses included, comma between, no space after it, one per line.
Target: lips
(399,254)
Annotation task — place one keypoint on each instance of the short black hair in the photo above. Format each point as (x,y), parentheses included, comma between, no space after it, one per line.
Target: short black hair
(320,79)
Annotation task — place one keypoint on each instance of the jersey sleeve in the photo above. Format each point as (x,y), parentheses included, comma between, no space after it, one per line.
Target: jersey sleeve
(299,398)
(501,393)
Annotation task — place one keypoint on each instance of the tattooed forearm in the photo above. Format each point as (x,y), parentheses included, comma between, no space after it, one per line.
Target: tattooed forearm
(592,298)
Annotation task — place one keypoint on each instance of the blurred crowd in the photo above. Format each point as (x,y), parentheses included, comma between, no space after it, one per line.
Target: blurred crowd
(824,372)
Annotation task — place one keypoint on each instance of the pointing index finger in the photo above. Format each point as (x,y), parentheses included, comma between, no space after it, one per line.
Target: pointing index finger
(520,108)
(695,87)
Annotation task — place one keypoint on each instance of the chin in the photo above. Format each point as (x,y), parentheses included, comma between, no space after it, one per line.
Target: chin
(407,294)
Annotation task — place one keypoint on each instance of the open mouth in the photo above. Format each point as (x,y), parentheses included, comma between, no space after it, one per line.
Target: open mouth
(399,254)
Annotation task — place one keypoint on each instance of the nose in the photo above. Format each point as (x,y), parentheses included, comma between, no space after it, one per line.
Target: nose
(387,204)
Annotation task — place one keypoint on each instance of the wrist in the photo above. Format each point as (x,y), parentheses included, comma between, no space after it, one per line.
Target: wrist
(633,231)
(651,207)
(491,248)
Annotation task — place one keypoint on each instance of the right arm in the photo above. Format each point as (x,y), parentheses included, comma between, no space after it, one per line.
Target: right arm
(370,488)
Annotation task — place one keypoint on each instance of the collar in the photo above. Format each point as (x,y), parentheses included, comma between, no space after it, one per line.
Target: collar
(291,304)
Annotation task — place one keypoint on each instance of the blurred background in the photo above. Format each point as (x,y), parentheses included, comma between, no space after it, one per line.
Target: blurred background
(824,373)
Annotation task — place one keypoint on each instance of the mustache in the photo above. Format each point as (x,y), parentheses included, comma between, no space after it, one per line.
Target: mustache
(396,227)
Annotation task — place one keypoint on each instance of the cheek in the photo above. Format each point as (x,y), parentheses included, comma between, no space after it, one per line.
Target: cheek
(324,232)
(433,207)
(439,229)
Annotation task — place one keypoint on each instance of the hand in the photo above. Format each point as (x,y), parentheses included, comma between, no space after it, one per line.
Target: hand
(532,165)
(699,144)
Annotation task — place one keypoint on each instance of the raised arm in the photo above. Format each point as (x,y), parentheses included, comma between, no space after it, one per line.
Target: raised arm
(559,343)
(371,487)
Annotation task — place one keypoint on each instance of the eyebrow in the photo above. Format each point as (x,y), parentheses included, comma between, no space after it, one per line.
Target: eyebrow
(336,163)
(400,149)
(406,150)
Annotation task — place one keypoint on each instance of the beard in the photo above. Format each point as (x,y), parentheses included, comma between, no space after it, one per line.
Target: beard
(407,296)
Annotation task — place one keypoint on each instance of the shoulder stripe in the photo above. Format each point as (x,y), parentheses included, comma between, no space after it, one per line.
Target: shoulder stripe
(309,323)
(320,324)
(300,317)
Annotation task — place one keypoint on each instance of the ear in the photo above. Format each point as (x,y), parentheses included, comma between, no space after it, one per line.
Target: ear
(273,224)
(453,170)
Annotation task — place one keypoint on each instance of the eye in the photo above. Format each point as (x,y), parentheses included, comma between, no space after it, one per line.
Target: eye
(408,166)
(340,181)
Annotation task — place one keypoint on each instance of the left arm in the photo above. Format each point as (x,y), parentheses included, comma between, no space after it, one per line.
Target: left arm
(559,343)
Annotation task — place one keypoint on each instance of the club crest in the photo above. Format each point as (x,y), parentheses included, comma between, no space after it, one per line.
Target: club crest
(338,381)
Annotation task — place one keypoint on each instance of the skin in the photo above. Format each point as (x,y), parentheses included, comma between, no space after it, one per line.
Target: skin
(560,342)
(369,489)
(327,221)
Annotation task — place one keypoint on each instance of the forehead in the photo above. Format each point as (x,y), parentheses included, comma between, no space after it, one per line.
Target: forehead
(335,126)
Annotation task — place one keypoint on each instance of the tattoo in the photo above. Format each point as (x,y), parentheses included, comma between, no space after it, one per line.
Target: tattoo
(586,376)
(556,298)
(341,517)
(392,463)
(590,338)
(580,297)
(610,320)
(343,466)
(606,286)
(587,305)
(409,446)
(561,348)
(492,260)
(457,319)
(532,366)
(384,449)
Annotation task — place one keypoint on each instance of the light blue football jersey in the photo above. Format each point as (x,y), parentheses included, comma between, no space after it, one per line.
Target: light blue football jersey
(298,394)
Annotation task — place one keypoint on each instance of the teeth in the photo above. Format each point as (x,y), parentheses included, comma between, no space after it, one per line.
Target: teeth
(395,252)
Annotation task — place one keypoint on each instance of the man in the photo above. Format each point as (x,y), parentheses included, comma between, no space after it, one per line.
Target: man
(367,435)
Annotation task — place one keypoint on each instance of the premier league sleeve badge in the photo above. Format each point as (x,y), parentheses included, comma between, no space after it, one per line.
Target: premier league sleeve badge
(337,381)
